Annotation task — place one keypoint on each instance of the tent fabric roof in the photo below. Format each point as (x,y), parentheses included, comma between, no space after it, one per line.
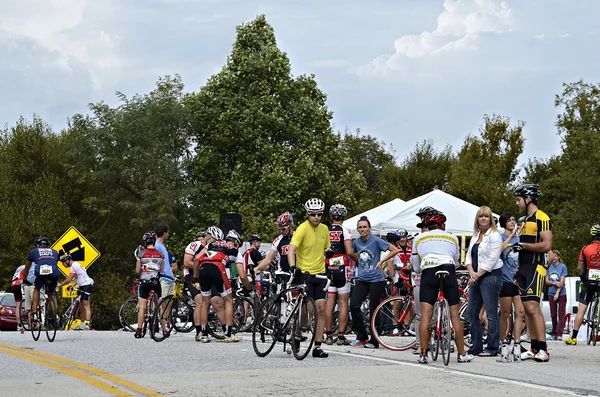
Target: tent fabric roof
(460,213)
(376,216)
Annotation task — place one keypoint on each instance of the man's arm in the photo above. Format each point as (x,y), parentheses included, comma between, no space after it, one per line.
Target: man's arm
(265,263)
(242,275)
(188,261)
(26,270)
(67,280)
(581,267)
(392,252)
(138,267)
(544,245)
(292,255)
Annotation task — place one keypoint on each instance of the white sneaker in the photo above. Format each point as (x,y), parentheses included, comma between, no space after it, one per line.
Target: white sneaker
(528,355)
(422,360)
(526,338)
(232,338)
(396,331)
(464,359)
(542,356)
(202,338)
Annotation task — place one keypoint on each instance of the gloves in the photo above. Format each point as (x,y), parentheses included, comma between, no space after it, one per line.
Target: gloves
(395,278)
(517,247)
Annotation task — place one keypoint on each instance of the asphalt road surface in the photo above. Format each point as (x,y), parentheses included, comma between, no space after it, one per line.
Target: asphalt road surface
(114,363)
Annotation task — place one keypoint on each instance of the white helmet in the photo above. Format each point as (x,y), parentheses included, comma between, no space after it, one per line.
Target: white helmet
(233,235)
(338,211)
(314,205)
(215,232)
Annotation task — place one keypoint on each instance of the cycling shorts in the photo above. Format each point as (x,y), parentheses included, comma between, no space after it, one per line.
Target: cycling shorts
(340,281)
(314,286)
(531,280)
(430,285)
(40,281)
(85,291)
(587,292)
(149,285)
(214,275)
(16,290)
(509,290)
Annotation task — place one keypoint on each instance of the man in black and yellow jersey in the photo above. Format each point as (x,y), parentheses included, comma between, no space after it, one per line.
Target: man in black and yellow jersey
(535,241)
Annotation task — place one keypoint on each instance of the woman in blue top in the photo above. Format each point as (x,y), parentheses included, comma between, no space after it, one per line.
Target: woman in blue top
(367,255)
(509,294)
(557,294)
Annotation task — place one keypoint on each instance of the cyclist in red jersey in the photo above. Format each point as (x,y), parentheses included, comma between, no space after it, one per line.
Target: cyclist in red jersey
(149,265)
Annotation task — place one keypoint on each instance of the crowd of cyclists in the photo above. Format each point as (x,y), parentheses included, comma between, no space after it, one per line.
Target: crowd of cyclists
(361,269)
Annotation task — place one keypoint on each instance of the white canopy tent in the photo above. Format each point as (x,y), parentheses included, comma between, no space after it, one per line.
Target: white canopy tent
(376,216)
(460,214)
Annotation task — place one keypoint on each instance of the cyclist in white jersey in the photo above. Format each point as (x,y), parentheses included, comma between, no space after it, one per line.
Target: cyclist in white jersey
(433,251)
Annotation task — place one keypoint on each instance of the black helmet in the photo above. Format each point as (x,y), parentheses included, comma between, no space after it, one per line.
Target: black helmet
(65,258)
(200,234)
(254,237)
(392,237)
(42,241)
(425,211)
(529,189)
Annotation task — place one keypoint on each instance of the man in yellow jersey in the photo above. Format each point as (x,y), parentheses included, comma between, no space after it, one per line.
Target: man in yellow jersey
(307,251)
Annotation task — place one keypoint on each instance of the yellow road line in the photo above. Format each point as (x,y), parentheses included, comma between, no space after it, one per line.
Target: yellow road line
(95,371)
(69,371)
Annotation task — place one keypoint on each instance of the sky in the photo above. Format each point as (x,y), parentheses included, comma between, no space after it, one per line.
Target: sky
(400,70)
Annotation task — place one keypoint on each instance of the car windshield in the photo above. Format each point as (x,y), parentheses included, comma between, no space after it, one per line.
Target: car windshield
(8,300)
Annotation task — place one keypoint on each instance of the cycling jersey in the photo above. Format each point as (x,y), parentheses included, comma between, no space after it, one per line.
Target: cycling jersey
(152,261)
(18,276)
(590,256)
(403,257)
(434,248)
(338,235)
(281,245)
(252,258)
(218,252)
(81,273)
(311,243)
(46,260)
(530,233)
(212,267)
(192,249)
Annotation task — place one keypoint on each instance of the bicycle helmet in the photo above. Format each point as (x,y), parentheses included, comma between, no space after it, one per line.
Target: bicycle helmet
(254,237)
(149,238)
(65,258)
(285,219)
(402,232)
(338,211)
(232,235)
(595,231)
(314,205)
(530,189)
(215,232)
(392,237)
(42,241)
(435,218)
(425,211)
(200,234)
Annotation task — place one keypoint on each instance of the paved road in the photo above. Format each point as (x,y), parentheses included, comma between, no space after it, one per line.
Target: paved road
(114,363)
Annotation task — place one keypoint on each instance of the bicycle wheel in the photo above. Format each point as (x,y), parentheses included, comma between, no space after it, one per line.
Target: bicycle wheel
(24,318)
(463,314)
(151,305)
(266,327)
(596,319)
(239,314)
(589,321)
(593,323)
(304,328)
(71,316)
(446,332)
(162,319)
(36,327)
(391,323)
(248,315)
(435,337)
(51,320)
(183,316)
(128,313)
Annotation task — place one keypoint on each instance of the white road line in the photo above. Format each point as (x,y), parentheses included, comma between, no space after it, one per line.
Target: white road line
(467,374)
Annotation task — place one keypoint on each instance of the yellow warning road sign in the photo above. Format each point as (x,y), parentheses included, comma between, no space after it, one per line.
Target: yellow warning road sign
(66,293)
(75,244)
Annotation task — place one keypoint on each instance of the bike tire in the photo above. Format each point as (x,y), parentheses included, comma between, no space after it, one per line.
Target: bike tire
(446,332)
(128,313)
(266,327)
(215,328)
(51,320)
(384,315)
(435,338)
(249,315)
(183,317)
(594,322)
(24,319)
(151,305)
(301,348)
(72,317)
(589,321)
(163,312)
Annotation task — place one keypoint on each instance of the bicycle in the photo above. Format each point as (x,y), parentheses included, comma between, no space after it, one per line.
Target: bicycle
(286,317)
(128,312)
(591,317)
(70,315)
(441,326)
(172,312)
(46,317)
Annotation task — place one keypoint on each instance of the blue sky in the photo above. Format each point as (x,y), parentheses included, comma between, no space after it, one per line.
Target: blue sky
(401,70)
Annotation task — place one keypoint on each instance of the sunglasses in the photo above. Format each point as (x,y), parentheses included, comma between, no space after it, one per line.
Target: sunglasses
(283,228)
(319,215)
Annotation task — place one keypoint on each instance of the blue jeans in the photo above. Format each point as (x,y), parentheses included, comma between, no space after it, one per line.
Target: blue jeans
(486,292)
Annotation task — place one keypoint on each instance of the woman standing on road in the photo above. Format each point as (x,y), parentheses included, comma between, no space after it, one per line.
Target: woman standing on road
(485,269)
(557,294)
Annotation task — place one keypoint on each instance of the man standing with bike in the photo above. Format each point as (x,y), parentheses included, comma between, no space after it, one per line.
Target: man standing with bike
(307,250)
(588,268)
(433,251)
(46,273)
(149,265)
(84,288)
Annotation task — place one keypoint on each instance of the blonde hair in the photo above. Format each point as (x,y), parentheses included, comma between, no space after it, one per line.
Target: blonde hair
(487,212)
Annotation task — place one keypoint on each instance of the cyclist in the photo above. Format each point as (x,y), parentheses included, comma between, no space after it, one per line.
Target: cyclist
(306,249)
(149,265)
(250,259)
(340,270)
(281,244)
(46,270)
(15,287)
(84,288)
(588,268)
(535,241)
(400,240)
(433,251)
(167,285)
(211,272)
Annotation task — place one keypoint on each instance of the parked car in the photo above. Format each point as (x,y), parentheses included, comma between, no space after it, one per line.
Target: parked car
(8,309)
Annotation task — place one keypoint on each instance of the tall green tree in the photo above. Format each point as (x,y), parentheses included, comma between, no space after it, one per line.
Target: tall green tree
(263,138)
(485,168)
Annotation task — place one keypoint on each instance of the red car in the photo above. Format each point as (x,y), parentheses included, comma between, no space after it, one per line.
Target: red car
(8,309)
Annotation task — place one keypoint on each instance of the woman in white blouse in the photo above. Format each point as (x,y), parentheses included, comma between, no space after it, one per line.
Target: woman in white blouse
(485,269)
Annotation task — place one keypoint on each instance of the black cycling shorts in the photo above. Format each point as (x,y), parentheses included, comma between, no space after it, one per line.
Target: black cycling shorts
(40,281)
(212,275)
(314,286)
(587,292)
(85,291)
(508,290)
(16,290)
(430,285)
(531,280)
(149,285)
(338,277)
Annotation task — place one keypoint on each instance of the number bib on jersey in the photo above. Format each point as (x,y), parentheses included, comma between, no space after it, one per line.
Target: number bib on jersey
(337,261)
(151,267)
(45,270)
(594,274)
